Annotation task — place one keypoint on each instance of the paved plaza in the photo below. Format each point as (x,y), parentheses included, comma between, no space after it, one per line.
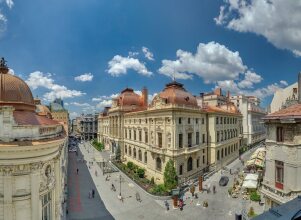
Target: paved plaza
(221,206)
(79,205)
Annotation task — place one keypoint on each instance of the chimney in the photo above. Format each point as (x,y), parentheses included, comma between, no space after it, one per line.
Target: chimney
(145,96)
(299,87)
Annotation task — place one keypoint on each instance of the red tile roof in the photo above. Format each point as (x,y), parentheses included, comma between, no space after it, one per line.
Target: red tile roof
(31,118)
(293,111)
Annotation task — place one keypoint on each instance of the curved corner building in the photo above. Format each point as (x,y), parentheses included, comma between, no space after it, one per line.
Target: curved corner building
(32,155)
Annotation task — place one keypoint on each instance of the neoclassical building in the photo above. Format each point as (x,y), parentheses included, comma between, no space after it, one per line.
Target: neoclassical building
(282,179)
(32,155)
(173,126)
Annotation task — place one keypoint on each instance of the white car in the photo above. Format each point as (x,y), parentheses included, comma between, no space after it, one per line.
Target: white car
(72,150)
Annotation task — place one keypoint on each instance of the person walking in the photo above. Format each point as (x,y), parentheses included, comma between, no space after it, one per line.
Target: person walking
(90,194)
(77,171)
(93,193)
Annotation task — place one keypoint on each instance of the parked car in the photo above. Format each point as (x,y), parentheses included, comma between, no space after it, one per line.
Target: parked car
(72,149)
(224,181)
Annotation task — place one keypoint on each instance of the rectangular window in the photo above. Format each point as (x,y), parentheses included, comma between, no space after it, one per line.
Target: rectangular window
(146,137)
(204,159)
(279,134)
(140,135)
(159,139)
(180,140)
(204,141)
(125,133)
(180,120)
(188,120)
(198,162)
(46,207)
(197,138)
(217,136)
(221,120)
(203,120)
(196,120)
(216,120)
(130,134)
(225,120)
(189,139)
(134,134)
(279,174)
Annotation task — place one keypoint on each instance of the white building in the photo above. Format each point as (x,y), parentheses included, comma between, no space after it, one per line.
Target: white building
(281,97)
(33,155)
(253,126)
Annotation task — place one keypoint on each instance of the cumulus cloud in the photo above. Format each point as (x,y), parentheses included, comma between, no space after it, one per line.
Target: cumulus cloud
(9,3)
(73,114)
(38,79)
(212,62)
(104,97)
(80,104)
(84,77)
(250,79)
(119,65)
(104,103)
(147,53)
(277,20)
(233,87)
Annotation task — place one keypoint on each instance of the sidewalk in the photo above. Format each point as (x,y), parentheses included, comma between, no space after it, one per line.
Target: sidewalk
(80,206)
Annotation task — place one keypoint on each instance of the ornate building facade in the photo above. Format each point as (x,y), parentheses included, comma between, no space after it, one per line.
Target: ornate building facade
(282,179)
(32,155)
(87,126)
(173,126)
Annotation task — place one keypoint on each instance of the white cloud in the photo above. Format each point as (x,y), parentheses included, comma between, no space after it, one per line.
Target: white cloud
(277,20)
(284,83)
(84,77)
(104,97)
(212,62)
(250,79)
(119,65)
(232,86)
(80,104)
(147,53)
(104,103)
(9,3)
(133,53)
(73,115)
(38,79)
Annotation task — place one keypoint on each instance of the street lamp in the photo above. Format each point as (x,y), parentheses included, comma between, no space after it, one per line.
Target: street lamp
(120,184)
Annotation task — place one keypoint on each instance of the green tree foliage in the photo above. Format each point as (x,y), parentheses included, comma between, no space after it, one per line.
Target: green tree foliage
(118,154)
(170,176)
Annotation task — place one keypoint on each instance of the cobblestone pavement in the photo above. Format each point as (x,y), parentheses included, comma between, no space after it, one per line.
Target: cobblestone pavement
(79,205)
(221,206)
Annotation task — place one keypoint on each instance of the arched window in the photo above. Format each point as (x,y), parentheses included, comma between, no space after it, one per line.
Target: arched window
(225,135)
(181,169)
(140,155)
(145,157)
(189,164)
(222,152)
(134,152)
(130,151)
(126,149)
(218,155)
(225,151)
(158,164)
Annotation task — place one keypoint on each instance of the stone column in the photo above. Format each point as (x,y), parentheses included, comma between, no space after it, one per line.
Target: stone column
(58,188)
(8,195)
(35,194)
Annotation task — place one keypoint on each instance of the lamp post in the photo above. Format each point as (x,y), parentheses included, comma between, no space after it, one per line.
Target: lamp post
(120,184)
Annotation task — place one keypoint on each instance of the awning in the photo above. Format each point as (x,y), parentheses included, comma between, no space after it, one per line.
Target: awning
(251,176)
(249,184)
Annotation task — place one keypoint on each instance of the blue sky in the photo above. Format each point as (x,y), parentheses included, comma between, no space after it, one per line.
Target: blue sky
(239,45)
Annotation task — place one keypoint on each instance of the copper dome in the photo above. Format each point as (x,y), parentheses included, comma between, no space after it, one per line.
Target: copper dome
(14,91)
(175,93)
(129,98)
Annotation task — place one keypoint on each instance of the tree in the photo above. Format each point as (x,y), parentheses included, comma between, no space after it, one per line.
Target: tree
(118,153)
(170,176)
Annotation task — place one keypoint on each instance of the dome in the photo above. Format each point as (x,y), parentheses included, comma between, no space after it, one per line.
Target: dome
(175,93)
(43,110)
(14,91)
(129,98)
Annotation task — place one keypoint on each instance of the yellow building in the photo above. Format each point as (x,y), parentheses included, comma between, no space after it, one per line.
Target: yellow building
(173,127)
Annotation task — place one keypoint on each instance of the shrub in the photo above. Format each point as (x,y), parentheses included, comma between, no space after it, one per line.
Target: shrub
(152,180)
(140,172)
(130,165)
(159,189)
(251,212)
(255,197)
